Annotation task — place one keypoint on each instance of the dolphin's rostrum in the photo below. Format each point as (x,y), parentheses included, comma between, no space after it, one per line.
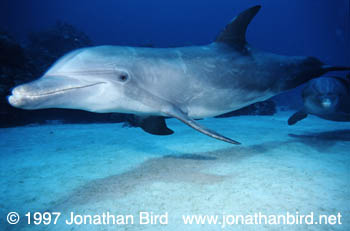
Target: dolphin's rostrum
(186,82)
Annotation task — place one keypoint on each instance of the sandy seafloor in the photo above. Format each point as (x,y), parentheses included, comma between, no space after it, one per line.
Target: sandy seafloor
(95,168)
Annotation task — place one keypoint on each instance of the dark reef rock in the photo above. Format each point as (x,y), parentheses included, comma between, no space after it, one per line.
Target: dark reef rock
(45,47)
(12,53)
(267,107)
(18,117)
(19,64)
(13,63)
(14,69)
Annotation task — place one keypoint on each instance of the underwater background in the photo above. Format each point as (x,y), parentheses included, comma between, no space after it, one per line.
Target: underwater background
(71,160)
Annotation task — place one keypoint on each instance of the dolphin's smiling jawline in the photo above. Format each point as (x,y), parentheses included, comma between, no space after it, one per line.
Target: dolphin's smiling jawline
(66,89)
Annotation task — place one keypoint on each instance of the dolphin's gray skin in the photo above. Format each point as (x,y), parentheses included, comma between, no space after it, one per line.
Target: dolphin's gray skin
(325,97)
(186,83)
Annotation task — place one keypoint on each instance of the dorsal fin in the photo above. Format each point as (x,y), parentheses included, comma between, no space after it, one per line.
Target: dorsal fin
(234,33)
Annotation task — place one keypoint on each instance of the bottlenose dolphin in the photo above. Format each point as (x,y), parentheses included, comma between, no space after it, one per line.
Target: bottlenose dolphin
(186,83)
(327,98)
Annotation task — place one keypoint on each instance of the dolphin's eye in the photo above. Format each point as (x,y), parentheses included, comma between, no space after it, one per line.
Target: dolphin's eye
(123,77)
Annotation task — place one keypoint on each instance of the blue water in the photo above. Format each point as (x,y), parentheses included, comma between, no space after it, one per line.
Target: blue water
(287,27)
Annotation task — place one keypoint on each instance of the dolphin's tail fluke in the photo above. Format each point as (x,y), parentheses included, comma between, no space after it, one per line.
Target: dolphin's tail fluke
(328,68)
